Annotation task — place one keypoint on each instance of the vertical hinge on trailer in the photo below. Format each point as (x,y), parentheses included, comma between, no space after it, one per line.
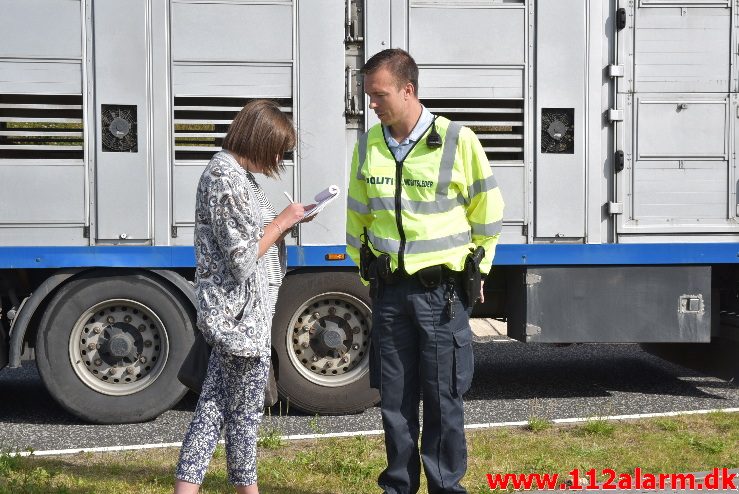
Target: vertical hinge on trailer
(352,101)
(525,230)
(615,208)
(354,58)
(615,70)
(353,22)
(86,231)
(174,232)
(615,115)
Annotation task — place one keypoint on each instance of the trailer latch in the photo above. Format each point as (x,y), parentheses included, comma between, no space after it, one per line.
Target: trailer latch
(618,161)
(620,18)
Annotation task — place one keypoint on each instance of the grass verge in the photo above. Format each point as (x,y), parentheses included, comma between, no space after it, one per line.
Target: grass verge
(351,465)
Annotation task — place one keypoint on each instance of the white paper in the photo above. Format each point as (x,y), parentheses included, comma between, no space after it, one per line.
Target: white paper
(323,198)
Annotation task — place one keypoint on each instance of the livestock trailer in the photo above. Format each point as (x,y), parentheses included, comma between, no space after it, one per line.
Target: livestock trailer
(610,127)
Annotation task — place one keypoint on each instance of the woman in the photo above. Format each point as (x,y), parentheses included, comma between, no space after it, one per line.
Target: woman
(234,227)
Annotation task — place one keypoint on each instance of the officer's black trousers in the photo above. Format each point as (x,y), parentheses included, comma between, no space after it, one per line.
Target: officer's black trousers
(417,348)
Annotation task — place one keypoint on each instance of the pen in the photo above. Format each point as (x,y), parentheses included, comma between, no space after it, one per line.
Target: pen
(289,198)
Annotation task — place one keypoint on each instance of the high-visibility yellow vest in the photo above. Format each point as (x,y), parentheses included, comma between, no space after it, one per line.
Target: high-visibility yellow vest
(433,207)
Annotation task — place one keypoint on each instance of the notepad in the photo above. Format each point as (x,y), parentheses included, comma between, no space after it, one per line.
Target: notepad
(323,198)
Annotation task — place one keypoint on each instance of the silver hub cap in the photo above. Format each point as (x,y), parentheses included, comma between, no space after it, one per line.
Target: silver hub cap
(328,339)
(118,347)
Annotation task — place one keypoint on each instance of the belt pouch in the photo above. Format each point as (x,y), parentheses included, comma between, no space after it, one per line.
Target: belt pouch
(383,267)
(430,277)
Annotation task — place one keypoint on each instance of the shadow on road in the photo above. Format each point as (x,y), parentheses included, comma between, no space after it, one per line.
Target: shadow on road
(518,371)
(503,371)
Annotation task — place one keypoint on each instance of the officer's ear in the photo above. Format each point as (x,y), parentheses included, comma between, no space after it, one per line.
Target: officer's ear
(409,90)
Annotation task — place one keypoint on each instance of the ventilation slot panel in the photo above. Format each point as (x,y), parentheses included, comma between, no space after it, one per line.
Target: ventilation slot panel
(201,123)
(41,126)
(464,3)
(497,123)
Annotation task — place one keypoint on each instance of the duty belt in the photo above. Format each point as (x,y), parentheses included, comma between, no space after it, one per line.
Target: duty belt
(429,277)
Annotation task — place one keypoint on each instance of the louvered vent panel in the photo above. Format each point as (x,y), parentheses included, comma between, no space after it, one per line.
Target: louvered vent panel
(497,123)
(41,126)
(463,3)
(201,123)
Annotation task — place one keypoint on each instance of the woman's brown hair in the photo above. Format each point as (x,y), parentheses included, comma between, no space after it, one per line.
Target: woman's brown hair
(259,133)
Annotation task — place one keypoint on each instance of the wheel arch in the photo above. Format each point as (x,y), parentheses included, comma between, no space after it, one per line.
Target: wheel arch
(33,308)
(322,270)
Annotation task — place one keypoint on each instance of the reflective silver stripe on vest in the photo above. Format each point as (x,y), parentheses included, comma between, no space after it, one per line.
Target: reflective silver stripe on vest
(353,241)
(482,185)
(362,154)
(488,229)
(442,205)
(447,158)
(382,203)
(422,246)
(383,244)
(357,206)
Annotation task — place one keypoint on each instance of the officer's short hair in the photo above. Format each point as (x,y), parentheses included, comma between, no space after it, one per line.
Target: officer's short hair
(260,132)
(400,64)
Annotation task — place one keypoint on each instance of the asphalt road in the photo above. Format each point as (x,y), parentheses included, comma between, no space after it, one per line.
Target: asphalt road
(512,382)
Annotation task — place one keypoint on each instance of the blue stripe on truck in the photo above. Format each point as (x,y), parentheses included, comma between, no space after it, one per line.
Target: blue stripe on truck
(305,256)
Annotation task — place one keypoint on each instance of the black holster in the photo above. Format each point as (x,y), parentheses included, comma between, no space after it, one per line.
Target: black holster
(368,266)
(473,276)
(366,257)
(366,260)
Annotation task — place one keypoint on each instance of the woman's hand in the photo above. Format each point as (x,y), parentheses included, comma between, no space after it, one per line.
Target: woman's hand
(291,215)
(308,209)
(280,226)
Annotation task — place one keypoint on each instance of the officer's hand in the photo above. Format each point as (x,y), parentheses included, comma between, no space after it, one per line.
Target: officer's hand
(482,295)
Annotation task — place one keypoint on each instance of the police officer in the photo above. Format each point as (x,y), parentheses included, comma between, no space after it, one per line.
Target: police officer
(422,199)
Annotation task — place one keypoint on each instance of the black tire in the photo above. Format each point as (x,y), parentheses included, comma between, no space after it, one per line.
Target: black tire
(719,358)
(342,388)
(138,313)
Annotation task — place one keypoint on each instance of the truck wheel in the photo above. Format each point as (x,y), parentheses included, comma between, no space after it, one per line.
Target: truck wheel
(109,346)
(321,335)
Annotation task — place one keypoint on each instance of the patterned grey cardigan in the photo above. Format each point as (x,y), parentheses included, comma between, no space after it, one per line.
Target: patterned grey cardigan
(234,303)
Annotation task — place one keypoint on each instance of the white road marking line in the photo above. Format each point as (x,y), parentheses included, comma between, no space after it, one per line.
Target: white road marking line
(100,449)
(297,437)
(608,417)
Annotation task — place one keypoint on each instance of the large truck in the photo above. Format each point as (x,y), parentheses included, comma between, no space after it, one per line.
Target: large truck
(610,126)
